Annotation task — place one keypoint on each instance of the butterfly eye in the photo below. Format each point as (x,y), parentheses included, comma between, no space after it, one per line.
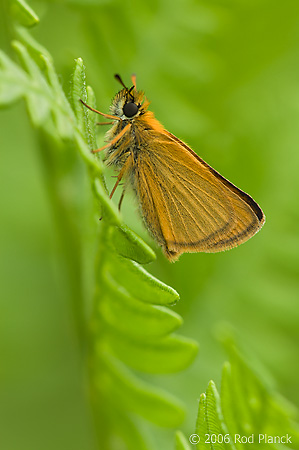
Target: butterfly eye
(130,109)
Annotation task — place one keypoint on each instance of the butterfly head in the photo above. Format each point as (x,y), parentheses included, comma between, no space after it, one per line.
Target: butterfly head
(128,102)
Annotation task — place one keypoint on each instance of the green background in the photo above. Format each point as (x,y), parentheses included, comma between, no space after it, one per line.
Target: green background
(224,77)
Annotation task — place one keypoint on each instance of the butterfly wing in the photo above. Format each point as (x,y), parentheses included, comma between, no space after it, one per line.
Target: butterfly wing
(186,204)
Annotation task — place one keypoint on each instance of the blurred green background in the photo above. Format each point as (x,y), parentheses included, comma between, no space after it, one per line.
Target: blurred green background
(223,75)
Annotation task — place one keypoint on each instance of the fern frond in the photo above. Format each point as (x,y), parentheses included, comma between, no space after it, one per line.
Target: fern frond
(247,414)
(128,330)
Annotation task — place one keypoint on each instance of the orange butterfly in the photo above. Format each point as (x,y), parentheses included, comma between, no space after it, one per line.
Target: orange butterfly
(186,205)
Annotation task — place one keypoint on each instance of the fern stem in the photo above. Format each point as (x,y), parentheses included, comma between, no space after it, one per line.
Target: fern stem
(69,236)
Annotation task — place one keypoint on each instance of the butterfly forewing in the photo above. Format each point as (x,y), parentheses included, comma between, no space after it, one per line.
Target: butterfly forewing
(187,205)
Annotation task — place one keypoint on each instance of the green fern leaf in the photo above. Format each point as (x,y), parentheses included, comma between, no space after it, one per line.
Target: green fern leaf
(24,14)
(129,245)
(168,355)
(138,319)
(139,283)
(139,397)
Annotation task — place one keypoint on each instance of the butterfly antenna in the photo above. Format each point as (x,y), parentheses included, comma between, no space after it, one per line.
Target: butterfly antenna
(118,78)
(133,78)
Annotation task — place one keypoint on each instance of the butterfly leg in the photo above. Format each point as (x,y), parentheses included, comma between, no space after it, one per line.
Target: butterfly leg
(114,140)
(123,170)
(119,177)
(121,199)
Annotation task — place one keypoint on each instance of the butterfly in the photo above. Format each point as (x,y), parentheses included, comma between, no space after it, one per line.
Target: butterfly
(186,204)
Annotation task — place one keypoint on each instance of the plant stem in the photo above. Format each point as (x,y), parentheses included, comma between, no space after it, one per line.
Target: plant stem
(97,400)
